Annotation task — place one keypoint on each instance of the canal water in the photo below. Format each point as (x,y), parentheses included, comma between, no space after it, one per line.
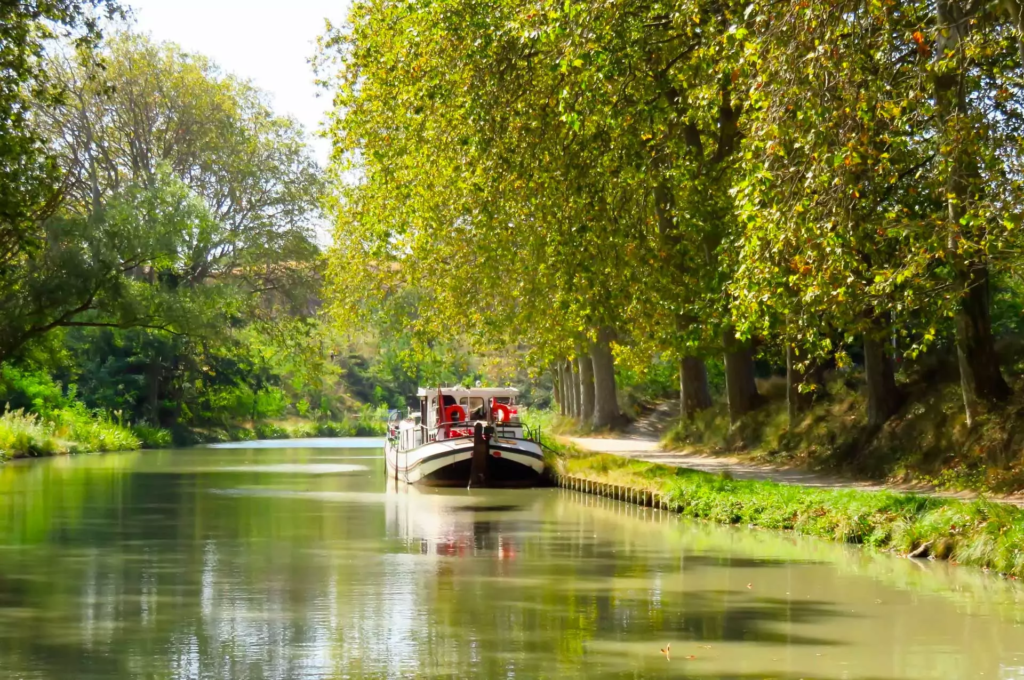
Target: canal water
(295,560)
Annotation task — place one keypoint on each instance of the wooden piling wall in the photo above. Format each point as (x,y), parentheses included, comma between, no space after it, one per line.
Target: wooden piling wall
(626,494)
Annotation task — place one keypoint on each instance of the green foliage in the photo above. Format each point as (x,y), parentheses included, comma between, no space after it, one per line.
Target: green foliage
(25,434)
(186,216)
(178,271)
(30,388)
(153,437)
(90,432)
(701,177)
(270,431)
(72,429)
(548,422)
(29,181)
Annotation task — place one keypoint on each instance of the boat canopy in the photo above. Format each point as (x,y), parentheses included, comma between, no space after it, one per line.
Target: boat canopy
(459,391)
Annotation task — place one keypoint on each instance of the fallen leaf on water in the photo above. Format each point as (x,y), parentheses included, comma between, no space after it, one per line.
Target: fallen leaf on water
(691,657)
(750,585)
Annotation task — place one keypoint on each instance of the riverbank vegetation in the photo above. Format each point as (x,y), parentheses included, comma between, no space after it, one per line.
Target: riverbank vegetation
(976,533)
(827,193)
(160,270)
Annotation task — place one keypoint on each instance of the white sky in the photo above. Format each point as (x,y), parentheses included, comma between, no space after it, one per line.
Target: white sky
(267,41)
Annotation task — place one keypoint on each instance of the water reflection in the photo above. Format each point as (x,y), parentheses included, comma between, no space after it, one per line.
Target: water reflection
(269,563)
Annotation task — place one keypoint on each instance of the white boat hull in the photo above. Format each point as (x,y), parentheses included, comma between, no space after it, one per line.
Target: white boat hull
(511,462)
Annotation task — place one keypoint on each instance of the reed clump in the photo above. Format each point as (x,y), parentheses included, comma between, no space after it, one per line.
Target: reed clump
(69,430)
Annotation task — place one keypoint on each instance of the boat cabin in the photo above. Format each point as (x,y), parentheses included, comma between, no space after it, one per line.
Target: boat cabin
(464,436)
(461,408)
(468,405)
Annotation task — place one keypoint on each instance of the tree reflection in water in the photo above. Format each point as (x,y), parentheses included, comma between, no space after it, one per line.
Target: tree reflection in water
(199,565)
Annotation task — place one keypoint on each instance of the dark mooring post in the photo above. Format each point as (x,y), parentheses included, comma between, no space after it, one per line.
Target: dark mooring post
(478,466)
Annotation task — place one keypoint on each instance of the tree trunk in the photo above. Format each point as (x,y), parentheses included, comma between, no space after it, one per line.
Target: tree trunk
(740,388)
(1016,14)
(586,369)
(606,401)
(566,389)
(573,376)
(884,398)
(797,400)
(980,376)
(556,390)
(154,392)
(694,396)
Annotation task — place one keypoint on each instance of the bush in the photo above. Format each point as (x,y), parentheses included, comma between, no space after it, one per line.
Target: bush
(153,437)
(270,431)
(30,390)
(228,404)
(342,429)
(25,434)
(372,421)
(71,429)
(90,432)
(548,422)
(271,402)
(305,431)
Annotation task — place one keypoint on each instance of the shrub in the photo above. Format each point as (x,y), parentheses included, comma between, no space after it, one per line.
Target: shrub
(371,421)
(228,404)
(25,434)
(240,434)
(153,437)
(305,431)
(90,432)
(28,389)
(270,431)
(271,402)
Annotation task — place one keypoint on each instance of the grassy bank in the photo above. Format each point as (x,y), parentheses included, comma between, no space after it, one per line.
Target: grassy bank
(926,441)
(977,533)
(67,431)
(77,430)
(370,423)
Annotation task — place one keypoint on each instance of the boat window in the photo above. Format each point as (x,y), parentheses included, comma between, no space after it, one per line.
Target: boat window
(474,406)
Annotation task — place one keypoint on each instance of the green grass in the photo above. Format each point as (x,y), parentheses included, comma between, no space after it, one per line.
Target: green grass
(88,432)
(75,429)
(67,430)
(153,437)
(548,421)
(927,441)
(26,434)
(978,533)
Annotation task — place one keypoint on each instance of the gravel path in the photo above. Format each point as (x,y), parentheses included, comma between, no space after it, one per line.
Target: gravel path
(648,449)
(641,442)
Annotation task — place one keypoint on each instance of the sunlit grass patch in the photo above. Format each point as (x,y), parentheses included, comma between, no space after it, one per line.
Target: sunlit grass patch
(26,434)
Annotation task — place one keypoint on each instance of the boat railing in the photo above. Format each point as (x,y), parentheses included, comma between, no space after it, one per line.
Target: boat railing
(411,437)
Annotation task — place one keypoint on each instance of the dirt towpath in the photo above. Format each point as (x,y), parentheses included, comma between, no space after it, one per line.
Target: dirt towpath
(642,442)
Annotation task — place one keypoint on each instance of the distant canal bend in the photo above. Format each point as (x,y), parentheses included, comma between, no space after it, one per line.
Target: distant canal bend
(295,560)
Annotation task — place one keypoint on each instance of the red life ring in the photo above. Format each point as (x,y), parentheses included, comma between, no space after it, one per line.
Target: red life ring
(501,412)
(454,414)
